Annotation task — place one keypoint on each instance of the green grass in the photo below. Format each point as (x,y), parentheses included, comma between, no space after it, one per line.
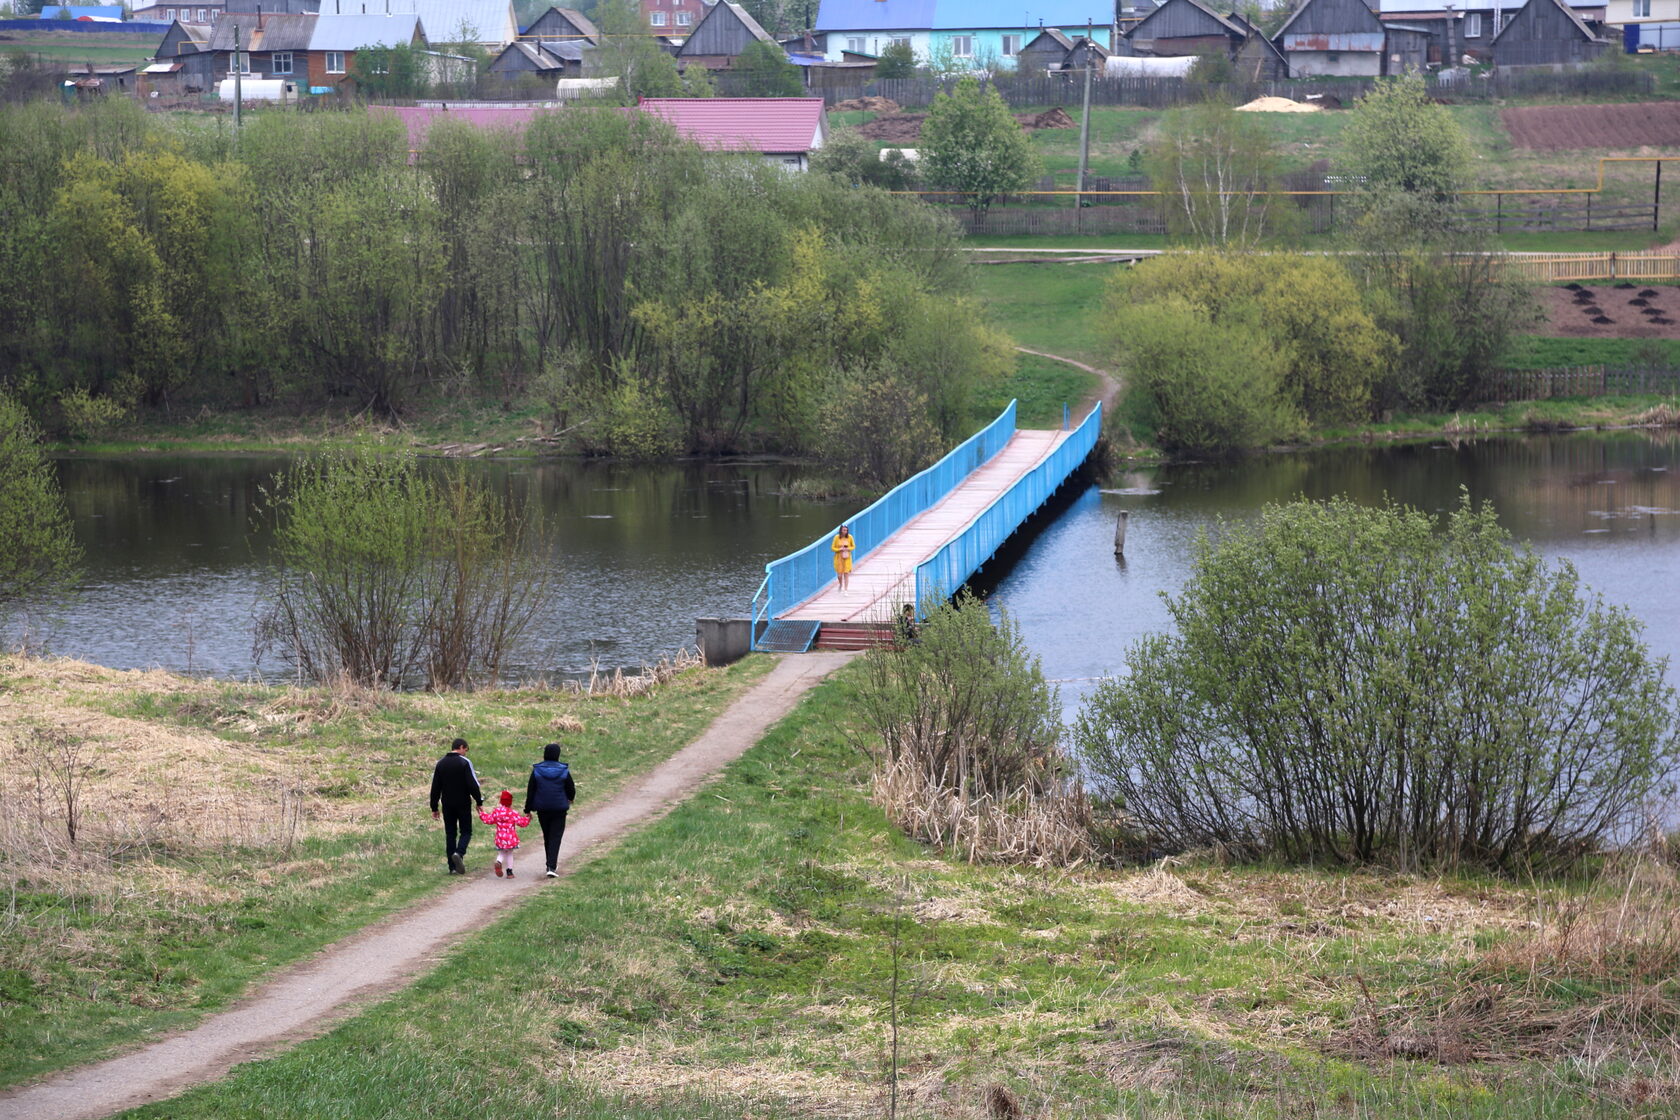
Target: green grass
(739,957)
(1041,387)
(1536,352)
(61,47)
(124,941)
(1051,307)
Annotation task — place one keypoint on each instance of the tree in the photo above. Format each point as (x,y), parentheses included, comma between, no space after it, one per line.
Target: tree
(386,575)
(1346,684)
(971,143)
(855,159)
(628,52)
(1216,170)
(389,73)
(766,71)
(896,60)
(1397,139)
(39,556)
(1330,352)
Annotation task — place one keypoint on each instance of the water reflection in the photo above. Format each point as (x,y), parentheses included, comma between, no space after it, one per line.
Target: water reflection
(1607,502)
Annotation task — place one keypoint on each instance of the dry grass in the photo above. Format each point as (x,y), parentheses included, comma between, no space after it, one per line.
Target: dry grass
(625,685)
(1664,415)
(1040,829)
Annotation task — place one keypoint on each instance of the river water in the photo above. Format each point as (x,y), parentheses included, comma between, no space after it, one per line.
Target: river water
(175,561)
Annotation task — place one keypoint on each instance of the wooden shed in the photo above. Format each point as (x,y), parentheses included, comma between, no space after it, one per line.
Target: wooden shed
(1543,33)
(720,37)
(1086,53)
(1339,38)
(1047,51)
(1185,27)
(561,25)
(549,60)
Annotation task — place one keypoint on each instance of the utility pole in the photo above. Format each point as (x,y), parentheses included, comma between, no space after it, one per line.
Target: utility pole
(1085,138)
(238,86)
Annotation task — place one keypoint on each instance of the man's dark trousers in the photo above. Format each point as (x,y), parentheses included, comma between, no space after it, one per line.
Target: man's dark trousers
(553,823)
(457,819)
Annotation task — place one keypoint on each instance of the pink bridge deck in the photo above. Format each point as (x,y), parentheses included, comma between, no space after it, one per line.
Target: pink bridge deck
(885,579)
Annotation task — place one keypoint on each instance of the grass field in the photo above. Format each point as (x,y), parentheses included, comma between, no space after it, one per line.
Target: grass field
(69,47)
(774,949)
(1049,307)
(229,829)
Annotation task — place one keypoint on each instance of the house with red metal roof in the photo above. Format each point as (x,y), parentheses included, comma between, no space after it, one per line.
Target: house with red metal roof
(784,130)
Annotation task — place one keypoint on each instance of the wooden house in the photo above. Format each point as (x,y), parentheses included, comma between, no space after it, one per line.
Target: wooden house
(720,37)
(1047,51)
(1086,52)
(1258,59)
(268,47)
(1186,27)
(1336,38)
(545,60)
(1463,29)
(1543,33)
(562,25)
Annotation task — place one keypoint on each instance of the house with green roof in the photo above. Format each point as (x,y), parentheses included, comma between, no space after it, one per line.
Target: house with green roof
(970,33)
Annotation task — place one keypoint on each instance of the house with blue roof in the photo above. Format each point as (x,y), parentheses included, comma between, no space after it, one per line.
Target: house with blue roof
(972,33)
(76,11)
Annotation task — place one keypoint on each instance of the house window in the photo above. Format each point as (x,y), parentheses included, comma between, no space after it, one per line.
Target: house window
(1473,25)
(684,18)
(169,14)
(281,62)
(856,45)
(335,62)
(901,40)
(962,46)
(657,18)
(1641,9)
(1011,46)
(242,61)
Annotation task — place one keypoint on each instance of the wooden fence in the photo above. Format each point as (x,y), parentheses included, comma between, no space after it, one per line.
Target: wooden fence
(1555,267)
(1580,381)
(1027,91)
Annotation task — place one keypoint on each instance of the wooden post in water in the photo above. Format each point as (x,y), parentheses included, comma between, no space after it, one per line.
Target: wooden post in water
(1120,532)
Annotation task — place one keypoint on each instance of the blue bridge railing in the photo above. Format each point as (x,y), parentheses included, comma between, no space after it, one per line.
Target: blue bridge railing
(795,578)
(948,569)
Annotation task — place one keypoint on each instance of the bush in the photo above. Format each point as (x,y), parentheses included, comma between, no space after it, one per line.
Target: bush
(968,755)
(876,430)
(39,556)
(1346,685)
(386,575)
(1201,388)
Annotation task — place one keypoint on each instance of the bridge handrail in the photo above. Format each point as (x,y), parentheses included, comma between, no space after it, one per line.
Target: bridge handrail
(948,569)
(796,577)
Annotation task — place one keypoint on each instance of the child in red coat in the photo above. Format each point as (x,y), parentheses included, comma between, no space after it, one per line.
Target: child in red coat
(507,824)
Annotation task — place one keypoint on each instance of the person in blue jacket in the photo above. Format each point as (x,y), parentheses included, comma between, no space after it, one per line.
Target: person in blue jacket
(548,795)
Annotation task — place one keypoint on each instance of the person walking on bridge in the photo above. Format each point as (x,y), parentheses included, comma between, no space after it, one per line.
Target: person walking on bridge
(844,544)
(455,792)
(548,795)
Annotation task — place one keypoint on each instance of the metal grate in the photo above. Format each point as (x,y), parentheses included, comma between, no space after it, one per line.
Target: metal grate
(788,636)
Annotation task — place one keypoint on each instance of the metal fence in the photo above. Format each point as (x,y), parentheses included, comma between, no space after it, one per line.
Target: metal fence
(1025,91)
(1580,381)
(949,568)
(1498,212)
(795,578)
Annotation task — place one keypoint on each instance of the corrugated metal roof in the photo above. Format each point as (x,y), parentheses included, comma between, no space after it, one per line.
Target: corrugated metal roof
(77,11)
(489,21)
(746,124)
(959,15)
(285,33)
(348,33)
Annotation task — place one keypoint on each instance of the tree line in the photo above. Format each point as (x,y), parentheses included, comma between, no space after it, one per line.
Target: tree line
(653,296)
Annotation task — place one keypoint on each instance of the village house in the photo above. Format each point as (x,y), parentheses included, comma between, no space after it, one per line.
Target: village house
(1467,30)
(784,130)
(562,25)
(1546,33)
(1344,38)
(675,18)
(315,51)
(1186,27)
(1652,24)
(968,33)
(1044,52)
(562,59)
(718,39)
(488,23)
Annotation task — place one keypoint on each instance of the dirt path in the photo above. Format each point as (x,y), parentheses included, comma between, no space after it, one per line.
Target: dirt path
(304,1001)
(1110,385)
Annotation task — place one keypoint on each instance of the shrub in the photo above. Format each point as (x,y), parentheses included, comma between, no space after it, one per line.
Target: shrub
(386,575)
(1346,685)
(38,552)
(968,755)
(877,430)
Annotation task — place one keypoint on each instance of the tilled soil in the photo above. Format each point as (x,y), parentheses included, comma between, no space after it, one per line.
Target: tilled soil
(1604,310)
(1548,128)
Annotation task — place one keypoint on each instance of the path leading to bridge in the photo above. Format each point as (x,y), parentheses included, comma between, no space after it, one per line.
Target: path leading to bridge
(306,1000)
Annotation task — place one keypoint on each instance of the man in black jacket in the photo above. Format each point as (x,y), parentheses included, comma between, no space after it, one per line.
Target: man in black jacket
(455,790)
(548,794)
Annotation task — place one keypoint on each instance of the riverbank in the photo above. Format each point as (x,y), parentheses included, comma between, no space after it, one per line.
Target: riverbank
(224,830)
(774,949)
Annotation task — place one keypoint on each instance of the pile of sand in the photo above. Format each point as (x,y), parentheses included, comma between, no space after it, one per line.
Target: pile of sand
(1277,105)
(866,105)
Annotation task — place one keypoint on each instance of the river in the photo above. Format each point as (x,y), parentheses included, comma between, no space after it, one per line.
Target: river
(176,562)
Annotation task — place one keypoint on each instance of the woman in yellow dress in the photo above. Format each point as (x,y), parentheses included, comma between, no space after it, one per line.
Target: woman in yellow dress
(843,544)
